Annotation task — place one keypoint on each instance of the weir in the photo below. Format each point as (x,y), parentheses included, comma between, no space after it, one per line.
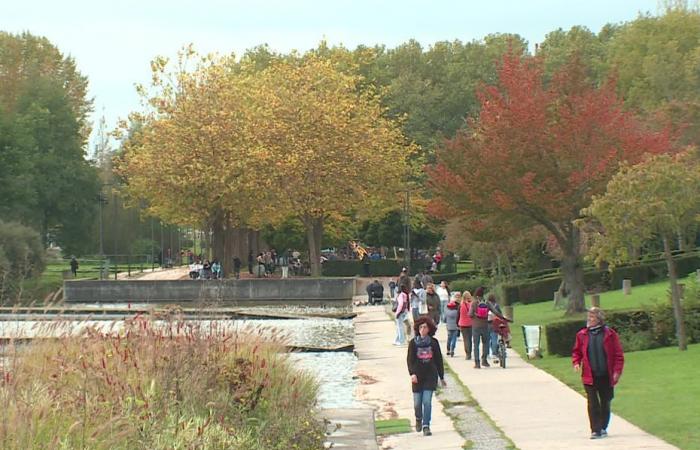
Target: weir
(337,292)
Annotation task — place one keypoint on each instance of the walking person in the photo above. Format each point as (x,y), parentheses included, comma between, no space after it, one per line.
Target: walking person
(417,299)
(598,355)
(74,266)
(493,334)
(401,315)
(425,365)
(479,313)
(433,303)
(465,323)
(443,292)
(237,267)
(451,319)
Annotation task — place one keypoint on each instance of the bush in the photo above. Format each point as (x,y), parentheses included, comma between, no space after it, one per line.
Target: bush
(469,285)
(542,289)
(639,329)
(353,267)
(160,386)
(21,257)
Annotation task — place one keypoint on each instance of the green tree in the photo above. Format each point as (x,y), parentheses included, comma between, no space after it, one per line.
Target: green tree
(659,197)
(21,257)
(655,60)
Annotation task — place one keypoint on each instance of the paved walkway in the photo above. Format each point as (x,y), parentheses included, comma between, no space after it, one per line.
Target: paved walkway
(386,386)
(534,409)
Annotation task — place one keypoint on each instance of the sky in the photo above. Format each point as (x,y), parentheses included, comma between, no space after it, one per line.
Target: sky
(113,42)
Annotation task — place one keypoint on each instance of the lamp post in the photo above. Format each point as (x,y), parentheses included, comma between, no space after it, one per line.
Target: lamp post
(407,231)
(101,200)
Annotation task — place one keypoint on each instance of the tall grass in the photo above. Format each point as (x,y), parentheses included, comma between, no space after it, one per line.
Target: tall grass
(171,385)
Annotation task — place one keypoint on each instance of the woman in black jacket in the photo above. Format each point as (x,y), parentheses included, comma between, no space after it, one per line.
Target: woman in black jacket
(425,367)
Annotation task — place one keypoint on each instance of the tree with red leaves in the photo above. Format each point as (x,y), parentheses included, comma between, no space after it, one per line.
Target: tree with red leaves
(536,154)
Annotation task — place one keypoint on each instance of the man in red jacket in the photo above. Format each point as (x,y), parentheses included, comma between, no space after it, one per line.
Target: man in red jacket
(597,354)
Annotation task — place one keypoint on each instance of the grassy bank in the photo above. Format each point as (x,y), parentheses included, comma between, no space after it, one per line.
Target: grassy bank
(172,387)
(658,390)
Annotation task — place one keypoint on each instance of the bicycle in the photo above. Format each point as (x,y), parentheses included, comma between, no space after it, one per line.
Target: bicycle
(503,330)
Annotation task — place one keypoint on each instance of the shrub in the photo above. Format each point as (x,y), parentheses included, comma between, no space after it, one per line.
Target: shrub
(158,386)
(536,290)
(561,336)
(469,285)
(21,257)
(639,329)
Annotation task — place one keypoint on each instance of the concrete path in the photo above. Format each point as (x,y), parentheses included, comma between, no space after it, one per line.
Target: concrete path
(534,409)
(537,411)
(386,386)
(177,273)
(350,428)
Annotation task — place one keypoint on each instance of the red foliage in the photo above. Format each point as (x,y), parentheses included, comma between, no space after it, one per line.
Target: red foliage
(539,149)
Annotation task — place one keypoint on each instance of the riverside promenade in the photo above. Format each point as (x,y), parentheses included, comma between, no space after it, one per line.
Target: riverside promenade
(532,408)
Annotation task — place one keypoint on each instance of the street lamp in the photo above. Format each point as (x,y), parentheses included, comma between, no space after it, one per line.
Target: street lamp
(407,231)
(102,200)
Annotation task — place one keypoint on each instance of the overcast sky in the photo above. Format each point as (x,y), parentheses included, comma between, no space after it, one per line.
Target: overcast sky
(113,42)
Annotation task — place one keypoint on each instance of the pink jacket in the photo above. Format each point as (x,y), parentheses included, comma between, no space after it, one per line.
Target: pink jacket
(402,304)
(464,319)
(613,352)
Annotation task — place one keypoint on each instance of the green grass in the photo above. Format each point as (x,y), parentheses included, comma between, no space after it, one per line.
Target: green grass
(659,388)
(464,266)
(392,426)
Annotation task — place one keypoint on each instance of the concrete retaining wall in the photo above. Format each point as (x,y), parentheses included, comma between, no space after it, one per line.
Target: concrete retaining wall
(294,291)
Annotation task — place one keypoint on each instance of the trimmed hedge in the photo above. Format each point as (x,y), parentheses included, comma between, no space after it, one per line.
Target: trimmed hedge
(542,289)
(353,267)
(387,268)
(639,329)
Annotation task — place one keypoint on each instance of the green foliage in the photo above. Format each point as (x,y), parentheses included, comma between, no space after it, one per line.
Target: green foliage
(470,284)
(21,258)
(640,329)
(561,336)
(45,181)
(144,247)
(353,267)
(541,289)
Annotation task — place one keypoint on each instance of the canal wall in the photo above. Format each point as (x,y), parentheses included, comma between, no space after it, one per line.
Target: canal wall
(252,292)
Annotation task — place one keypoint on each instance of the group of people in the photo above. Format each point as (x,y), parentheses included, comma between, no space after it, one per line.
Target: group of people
(266,263)
(597,352)
(206,270)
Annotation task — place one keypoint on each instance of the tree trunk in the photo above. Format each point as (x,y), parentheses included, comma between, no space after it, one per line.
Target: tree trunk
(572,270)
(314,233)
(675,296)
(229,248)
(218,228)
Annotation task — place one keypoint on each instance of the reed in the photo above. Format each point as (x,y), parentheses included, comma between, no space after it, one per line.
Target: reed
(157,384)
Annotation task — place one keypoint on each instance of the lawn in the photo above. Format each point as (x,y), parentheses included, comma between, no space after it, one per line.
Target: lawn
(659,390)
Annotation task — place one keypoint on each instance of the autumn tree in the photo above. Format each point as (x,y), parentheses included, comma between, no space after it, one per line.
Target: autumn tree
(331,144)
(657,198)
(194,159)
(537,153)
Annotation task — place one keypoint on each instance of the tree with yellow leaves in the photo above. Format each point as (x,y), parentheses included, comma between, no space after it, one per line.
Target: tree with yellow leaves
(333,148)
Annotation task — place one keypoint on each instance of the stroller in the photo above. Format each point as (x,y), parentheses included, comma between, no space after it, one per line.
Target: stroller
(501,328)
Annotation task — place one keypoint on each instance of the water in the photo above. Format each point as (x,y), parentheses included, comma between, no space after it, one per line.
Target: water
(336,375)
(333,370)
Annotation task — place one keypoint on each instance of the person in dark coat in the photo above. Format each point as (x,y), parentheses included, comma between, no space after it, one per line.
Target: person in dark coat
(375,292)
(74,266)
(425,365)
(598,355)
